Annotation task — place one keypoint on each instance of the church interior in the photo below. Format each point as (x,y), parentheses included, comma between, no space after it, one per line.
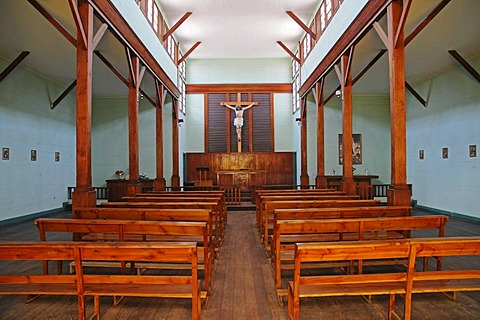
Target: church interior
(167,159)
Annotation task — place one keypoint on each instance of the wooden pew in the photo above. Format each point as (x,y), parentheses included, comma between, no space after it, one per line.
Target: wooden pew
(130,230)
(405,282)
(188,215)
(289,232)
(82,285)
(38,283)
(219,224)
(263,192)
(270,206)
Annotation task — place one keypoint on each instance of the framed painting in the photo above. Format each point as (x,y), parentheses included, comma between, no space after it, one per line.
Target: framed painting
(356,148)
(472,150)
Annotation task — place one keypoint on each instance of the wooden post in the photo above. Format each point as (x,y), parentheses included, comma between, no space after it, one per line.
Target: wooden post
(133,149)
(159,184)
(348,184)
(175,166)
(320,180)
(304,179)
(84,195)
(398,193)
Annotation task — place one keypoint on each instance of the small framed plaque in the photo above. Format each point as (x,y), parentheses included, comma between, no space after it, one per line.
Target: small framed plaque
(445,153)
(57,156)
(33,155)
(5,153)
(472,150)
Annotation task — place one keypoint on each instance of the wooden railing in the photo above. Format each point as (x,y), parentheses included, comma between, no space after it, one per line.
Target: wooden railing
(100,192)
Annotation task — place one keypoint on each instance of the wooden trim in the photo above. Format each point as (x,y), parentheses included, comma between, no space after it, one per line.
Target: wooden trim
(372,10)
(243,87)
(13,64)
(107,11)
(272,121)
(189,52)
(133,74)
(381,33)
(54,22)
(302,25)
(176,25)
(205,121)
(290,53)
(64,94)
(99,35)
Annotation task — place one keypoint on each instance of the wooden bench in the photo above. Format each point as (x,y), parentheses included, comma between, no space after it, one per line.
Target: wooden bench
(405,282)
(270,206)
(289,232)
(219,224)
(81,284)
(130,230)
(264,192)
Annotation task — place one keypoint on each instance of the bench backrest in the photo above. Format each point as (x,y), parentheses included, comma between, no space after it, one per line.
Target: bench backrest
(272,205)
(341,213)
(159,205)
(143,214)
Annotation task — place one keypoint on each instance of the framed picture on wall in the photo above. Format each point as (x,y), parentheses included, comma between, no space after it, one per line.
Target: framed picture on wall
(356,148)
(5,153)
(445,153)
(421,154)
(472,150)
(57,156)
(33,155)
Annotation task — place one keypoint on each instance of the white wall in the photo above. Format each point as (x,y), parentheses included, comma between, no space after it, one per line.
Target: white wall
(452,120)
(110,139)
(371,116)
(26,123)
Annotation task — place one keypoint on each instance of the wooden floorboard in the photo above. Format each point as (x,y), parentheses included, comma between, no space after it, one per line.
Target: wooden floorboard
(243,286)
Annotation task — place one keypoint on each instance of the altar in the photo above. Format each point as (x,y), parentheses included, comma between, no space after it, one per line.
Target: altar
(244,178)
(363,184)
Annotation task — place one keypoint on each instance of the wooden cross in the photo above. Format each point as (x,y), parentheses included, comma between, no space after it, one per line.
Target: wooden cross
(240,103)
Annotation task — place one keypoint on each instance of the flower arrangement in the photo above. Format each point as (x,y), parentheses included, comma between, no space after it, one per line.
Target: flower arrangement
(119,173)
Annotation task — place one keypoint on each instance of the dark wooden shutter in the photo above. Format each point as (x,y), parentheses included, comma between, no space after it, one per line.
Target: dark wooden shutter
(262,137)
(217,136)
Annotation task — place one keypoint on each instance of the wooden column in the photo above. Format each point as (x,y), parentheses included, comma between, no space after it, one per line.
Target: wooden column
(320,181)
(398,193)
(304,179)
(133,142)
(159,184)
(84,195)
(175,146)
(348,184)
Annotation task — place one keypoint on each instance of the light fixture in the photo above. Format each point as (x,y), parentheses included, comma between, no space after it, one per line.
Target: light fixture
(299,121)
(180,121)
(338,93)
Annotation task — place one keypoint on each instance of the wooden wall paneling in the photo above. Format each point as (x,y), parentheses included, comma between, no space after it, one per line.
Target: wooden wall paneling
(250,128)
(217,139)
(262,123)
(247,124)
(205,122)
(272,121)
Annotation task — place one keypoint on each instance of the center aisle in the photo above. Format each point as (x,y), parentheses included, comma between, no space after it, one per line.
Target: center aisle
(243,284)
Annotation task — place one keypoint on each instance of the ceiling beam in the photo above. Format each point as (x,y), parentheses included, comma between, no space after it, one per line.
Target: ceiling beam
(78,22)
(294,57)
(131,72)
(64,94)
(176,25)
(381,33)
(415,94)
(13,64)
(464,63)
(189,52)
(403,19)
(99,35)
(54,22)
(302,25)
(426,21)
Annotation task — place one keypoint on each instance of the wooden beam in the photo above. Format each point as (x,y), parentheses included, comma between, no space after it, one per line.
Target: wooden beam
(54,22)
(133,74)
(320,180)
(415,94)
(239,87)
(403,19)
(302,25)
(64,94)
(99,35)
(176,25)
(146,96)
(189,52)
(370,13)
(13,64)
(160,96)
(294,57)
(348,71)
(381,33)
(464,63)
(111,67)
(426,21)
(141,74)
(133,126)
(78,22)
(107,12)
(338,72)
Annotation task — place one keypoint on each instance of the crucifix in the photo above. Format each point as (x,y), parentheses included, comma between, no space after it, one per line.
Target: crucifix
(239,108)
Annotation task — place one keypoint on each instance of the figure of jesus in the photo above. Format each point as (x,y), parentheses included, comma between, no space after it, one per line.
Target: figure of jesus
(238,121)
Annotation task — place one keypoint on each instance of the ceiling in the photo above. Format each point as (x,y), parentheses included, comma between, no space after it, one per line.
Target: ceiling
(237,29)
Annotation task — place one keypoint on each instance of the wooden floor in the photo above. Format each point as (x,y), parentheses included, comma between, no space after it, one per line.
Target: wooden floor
(243,287)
